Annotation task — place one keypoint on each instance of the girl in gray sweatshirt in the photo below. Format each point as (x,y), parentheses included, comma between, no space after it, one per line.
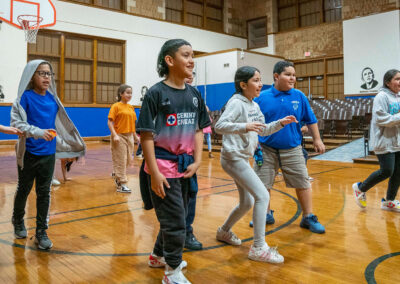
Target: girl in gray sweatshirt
(240,124)
(385,142)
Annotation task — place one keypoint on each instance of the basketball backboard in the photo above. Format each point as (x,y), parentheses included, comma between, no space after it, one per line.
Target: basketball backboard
(11,9)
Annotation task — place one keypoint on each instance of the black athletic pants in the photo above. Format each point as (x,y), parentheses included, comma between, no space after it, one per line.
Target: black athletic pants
(171,213)
(39,168)
(389,168)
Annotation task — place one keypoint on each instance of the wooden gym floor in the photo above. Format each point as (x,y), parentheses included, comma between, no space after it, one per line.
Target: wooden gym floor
(101,236)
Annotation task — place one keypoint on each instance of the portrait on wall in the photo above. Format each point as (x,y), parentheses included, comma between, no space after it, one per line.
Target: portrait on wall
(143,92)
(368,79)
(1,94)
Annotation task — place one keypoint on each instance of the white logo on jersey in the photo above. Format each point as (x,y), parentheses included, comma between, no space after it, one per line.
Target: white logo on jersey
(195,102)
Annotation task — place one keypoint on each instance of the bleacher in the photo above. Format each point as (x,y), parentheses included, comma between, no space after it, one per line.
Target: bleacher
(339,122)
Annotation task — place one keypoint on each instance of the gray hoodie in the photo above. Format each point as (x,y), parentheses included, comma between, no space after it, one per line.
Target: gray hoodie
(69,143)
(236,142)
(385,123)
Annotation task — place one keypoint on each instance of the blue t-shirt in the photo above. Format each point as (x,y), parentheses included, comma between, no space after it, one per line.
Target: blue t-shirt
(41,112)
(275,105)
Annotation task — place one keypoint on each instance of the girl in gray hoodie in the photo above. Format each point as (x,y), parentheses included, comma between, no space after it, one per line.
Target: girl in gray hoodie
(385,142)
(240,124)
(48,132)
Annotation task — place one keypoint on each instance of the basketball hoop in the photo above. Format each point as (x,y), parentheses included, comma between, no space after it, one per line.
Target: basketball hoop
(30,24)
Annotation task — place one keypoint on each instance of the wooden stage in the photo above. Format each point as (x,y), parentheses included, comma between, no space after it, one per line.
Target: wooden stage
(101,236)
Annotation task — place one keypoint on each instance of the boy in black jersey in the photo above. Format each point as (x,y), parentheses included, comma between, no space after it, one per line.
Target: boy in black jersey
(171,120)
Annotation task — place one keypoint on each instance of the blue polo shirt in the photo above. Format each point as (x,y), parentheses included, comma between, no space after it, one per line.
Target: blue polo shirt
(41,112)
(275,105)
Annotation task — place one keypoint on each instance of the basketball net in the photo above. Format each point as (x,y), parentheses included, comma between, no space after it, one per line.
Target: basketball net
(30,24)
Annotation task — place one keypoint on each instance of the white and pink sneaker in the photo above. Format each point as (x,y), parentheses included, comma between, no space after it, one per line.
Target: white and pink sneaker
(265,254)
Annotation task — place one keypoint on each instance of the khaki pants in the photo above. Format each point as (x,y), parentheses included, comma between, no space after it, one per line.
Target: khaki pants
(122,152)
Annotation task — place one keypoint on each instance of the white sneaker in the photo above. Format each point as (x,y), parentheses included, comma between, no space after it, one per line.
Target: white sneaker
(310,178)
(265,254)
(390,205)
(174,276)
(359,196)
(228,237)
(156,261)
(124,189)
(55,182)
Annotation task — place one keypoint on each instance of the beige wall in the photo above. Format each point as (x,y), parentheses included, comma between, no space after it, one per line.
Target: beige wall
(358,8)
(321,40)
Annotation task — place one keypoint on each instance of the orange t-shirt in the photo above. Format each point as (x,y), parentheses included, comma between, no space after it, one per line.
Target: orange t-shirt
(123,116)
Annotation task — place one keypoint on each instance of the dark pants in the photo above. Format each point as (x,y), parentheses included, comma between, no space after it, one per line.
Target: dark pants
(39,168)
(389,168)
(139,150)
(191,212)
(171,213)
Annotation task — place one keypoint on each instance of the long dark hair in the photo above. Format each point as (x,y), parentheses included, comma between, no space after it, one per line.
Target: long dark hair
(389,75)
(243,74)
(170,47)
(122,90)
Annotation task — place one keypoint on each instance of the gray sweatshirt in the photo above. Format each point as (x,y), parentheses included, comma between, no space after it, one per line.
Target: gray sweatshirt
(236,142)
(69,143)
(385,123)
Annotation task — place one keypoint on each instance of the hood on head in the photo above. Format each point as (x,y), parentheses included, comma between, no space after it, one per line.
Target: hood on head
(28,73)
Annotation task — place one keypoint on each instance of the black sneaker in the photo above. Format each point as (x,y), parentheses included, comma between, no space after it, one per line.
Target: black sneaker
(192,243)
(20,230)
(42,240)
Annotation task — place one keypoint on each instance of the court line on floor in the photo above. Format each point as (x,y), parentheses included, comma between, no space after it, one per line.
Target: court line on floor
(370,270)
(53,251)
(298,212)
(109,205)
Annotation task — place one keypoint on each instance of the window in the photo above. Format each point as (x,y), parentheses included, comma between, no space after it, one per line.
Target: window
(309,13)
(287,14)
(214,15)
(302,13)
(322,78)
(257,33)
(194,13)
(174,11)
(332,10)
(88,70)
(112,4)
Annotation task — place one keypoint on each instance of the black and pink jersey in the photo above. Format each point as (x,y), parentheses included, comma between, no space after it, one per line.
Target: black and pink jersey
(174,116)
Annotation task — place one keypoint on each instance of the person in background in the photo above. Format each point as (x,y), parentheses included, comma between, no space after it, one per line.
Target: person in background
(121,122)
(283,149)
(40,115)
(239,124)
(384,140)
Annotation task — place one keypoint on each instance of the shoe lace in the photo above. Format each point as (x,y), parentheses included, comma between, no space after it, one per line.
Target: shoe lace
(313,219)
(20,226)
(42,234)
(363,196)
(231,235)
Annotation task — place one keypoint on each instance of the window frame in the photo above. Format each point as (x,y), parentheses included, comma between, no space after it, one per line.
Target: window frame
(62,60)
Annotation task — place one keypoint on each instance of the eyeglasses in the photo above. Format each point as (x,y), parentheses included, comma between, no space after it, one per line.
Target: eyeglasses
(45,74)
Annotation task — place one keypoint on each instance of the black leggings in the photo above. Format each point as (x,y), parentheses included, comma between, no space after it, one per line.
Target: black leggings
(389,168)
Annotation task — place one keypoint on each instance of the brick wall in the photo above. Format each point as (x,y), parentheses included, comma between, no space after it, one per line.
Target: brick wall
(240,11)
(354,8)
(149,8)
(321,40)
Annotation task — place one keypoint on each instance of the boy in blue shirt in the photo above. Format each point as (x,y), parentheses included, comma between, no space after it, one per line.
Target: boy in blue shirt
(283,149)
(47,130)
